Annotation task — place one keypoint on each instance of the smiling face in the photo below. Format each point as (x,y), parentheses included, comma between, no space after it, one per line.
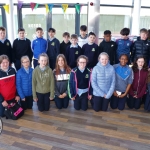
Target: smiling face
(25,63)
(143,35)
(82,63)
(2,34)
(123,60)
(43,61)
(92,39)
(61,62)
(104,60)
(4,65)
(74,41)
(51,34)
(140,63)
(39,33)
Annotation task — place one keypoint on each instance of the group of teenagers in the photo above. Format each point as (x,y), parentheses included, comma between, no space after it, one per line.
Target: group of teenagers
(76,69)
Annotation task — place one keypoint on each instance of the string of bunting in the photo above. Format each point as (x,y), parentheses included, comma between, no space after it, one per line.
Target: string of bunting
(48,7)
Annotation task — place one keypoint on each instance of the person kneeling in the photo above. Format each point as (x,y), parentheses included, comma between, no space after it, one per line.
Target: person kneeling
(79,88)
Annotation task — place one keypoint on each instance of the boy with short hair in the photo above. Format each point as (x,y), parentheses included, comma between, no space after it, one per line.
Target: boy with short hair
(53,47)
(65,43)
(5,45)
(21,47)
(83,38)
(108,46)
(39,45)
(141,47)
(124,45)
(73,51)
(90,50)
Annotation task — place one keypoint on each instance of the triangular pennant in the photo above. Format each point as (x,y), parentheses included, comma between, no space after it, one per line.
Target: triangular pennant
(64,7)
(6,7)
(47,9)
(77,6)
(50,6)
(20,4)
(36,6)
(32,5)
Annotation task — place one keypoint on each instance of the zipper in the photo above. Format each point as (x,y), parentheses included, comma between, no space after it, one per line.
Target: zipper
(138,81)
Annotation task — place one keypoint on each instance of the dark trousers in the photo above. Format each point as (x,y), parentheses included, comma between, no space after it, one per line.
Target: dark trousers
(35,62)
(2,108)
(43,101)
(52,63)
(117,102)
(133,102)
(61,102)
(81,102)
(28,103)
(100,103)
(17,64)
(147,102)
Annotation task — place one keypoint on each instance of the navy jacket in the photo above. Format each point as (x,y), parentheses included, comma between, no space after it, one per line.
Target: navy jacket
(72,53)
(24,82)
(91,51)
(73,83)
(63,47)
(53,48)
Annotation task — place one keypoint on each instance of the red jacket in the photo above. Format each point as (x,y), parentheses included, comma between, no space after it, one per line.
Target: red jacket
(139,83)
(8,84)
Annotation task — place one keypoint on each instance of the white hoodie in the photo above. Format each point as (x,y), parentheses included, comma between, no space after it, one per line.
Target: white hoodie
(82,41)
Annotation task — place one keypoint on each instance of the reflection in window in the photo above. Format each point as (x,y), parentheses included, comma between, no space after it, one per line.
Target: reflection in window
(32,20)
(15,22)
(63,22)
(1,23)
(83,15)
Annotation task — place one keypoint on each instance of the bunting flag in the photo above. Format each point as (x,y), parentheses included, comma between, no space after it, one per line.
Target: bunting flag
(6,7)
(32,5)
(36,6)
(20,4)
(78,8)
(64,7)
(50,6)
(47,9)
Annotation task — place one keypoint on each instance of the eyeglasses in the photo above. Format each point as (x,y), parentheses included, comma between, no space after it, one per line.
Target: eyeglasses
(25,62)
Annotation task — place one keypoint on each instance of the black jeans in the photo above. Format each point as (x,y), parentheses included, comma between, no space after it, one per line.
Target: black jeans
(28,103)
(61,102)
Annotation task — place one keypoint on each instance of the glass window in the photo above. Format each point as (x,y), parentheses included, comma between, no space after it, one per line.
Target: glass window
(15,22)
(144,18)
(145,3)
(32,20)
(114,19)
(1,23)
(63,22)
(83,15)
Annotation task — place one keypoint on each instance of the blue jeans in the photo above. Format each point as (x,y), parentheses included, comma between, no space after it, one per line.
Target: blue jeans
(61,102)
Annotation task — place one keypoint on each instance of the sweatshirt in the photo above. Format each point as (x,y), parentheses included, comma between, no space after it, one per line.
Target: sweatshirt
(6,49)
(82,41)
(53,48)
(61,82)
(42,81)
(22,48)
(72,53)
(63,47)
(91,51)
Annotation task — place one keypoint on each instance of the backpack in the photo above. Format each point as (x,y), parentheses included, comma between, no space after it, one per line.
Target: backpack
(13,111)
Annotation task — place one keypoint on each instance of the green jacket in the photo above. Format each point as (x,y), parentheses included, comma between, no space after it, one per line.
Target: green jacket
(42,82)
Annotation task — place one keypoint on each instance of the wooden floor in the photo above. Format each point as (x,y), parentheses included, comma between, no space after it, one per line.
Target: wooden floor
(68,129)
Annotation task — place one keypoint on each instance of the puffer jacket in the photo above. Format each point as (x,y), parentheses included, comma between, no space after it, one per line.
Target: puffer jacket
(140,48)
(103,80)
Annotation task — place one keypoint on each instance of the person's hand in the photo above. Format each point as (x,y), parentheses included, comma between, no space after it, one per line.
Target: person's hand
(105,96)
(122,95)
(73,98)
(17,98)
(23,99)
(148,69)
(135,96)
(35,99)
(90,97)
(61,96)
(64,95)
(4,103)
(51,99)
(115,94)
